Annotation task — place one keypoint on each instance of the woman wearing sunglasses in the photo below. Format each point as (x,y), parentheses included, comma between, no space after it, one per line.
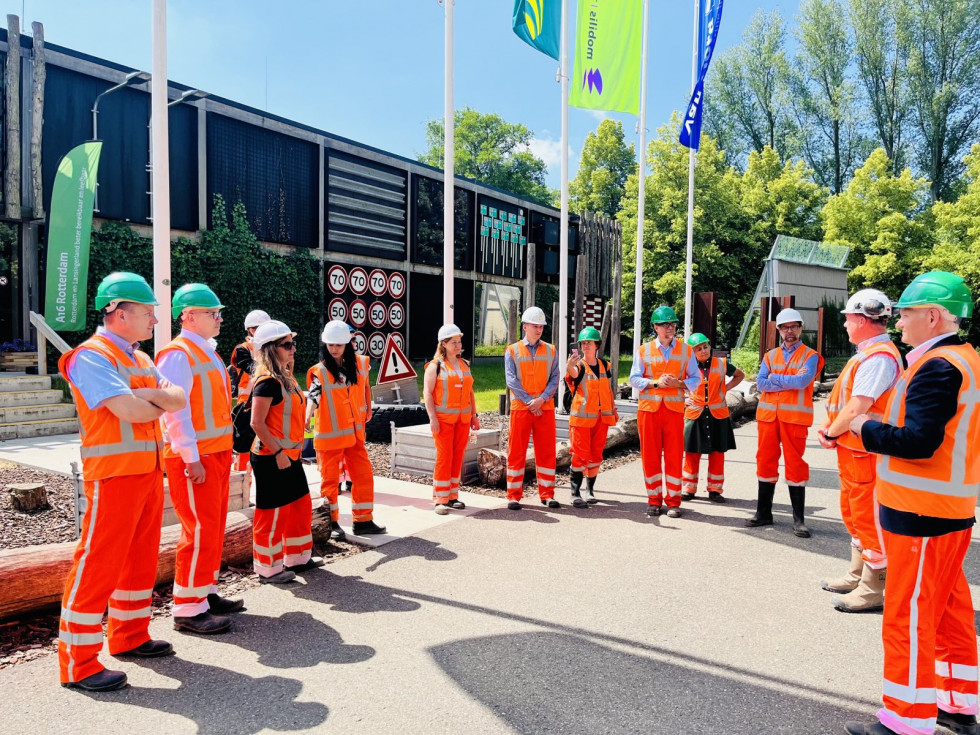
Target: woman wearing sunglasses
(282,542)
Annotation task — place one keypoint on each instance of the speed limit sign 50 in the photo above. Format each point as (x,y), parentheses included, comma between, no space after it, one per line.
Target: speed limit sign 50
(358,313)
(396,315)
(338,310)
(378,314)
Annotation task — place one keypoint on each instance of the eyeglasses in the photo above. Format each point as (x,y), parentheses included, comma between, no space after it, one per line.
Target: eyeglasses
(784,327)
(287,345)
(667,325)
(215,314)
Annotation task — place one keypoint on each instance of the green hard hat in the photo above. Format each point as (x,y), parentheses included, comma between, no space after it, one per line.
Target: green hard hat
(122,286)
(696,339)
(589,334)
(194,296)
(663,315)
(938,287)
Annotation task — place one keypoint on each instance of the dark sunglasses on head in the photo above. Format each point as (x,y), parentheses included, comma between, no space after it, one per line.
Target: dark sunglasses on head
(287,345)
(871,307)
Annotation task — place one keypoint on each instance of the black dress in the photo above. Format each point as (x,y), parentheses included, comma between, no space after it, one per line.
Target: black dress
(706,434)
(274,487)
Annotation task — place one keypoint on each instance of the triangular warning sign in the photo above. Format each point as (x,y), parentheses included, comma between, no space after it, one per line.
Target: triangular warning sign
(394,364)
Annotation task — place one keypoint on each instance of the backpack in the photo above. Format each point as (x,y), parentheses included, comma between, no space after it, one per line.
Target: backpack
(566,400)
(242,432)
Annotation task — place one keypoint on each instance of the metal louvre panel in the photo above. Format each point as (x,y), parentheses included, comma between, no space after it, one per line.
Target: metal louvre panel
(366,205)
(394,180)
(340,182)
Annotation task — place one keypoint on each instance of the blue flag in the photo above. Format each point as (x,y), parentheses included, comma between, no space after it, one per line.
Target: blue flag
(710,11)
(538,23)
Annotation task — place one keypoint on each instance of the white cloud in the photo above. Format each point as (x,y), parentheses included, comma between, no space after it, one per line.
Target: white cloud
(549,151)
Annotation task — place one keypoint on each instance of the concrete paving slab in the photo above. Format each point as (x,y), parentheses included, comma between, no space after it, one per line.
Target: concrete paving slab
(48,453)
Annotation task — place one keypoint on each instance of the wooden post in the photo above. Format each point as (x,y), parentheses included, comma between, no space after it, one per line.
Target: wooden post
(617,304)
(37,120)
(11,184)
(512,322)
(580,276)
(530,275)
(554,326)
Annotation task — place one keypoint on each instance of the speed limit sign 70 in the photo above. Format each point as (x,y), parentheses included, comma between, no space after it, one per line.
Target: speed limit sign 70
(378,314)
(337,279)
(378,282)
(338,310)
(396,285)
(358,281)
(376,344)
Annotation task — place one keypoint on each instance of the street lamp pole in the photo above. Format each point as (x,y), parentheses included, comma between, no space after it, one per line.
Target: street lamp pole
(191,95)
(134,77)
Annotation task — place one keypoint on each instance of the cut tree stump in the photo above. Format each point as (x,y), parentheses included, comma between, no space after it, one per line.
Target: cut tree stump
(28,496)
(33,578)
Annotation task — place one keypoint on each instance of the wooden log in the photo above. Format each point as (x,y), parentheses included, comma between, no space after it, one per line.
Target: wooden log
(11,185)
(513,324)
(492,463)
(581,275)
(28,496)
(33,578)
(37,119)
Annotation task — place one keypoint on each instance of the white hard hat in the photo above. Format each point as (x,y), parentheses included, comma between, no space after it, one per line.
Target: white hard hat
(255,318)
(533,315)
(336,333)
(447,331)
(270,331)
(788,315)
(868,302)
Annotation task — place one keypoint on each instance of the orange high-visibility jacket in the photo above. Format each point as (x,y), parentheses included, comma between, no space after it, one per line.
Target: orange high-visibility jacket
(452,393)
(533,371)
(338,421)
(789,406)
(209,400)
(245,380)
(593,401)
(945,485)
(286,421)
(717,377)
(841,393)
(655,367)
(112,447)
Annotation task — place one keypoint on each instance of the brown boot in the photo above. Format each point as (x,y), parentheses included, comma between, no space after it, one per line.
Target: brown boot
(849,581)
(868,596)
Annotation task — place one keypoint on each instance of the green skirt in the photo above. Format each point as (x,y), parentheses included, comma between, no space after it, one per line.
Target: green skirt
(707,434)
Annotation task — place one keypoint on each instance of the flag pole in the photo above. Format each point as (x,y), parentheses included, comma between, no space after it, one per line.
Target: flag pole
(690,186)
(161,176)
(449,176)
(641,203)
(563,240)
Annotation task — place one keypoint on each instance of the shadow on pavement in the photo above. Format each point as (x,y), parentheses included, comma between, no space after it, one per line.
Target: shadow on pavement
(532,512)
(289,645)
(351,594)
(412,546)
(560,683)
(223,702)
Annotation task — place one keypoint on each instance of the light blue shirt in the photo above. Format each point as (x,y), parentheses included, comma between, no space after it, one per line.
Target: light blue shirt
(692,376)
(773,382)
(514,379)
(96,378)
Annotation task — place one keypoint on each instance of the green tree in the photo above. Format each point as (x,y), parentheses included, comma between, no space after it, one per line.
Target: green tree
(824,97)
(490,150)
(605,165)
(882,53)
(944,82)
(958,236)
(747,90)
(882,217)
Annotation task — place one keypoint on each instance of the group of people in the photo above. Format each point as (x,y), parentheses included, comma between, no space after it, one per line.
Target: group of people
(909,480)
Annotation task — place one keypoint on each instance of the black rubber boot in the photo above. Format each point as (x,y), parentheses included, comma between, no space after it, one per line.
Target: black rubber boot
(575,479)
(763,508)
(797,496)
(588,492)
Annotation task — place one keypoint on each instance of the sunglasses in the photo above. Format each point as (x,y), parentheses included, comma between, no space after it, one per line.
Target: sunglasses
(287,345)
(871,307)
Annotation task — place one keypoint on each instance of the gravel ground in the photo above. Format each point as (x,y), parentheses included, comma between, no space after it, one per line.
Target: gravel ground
(51,526)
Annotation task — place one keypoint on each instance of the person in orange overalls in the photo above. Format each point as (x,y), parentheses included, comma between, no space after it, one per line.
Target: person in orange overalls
(928,478)
(783,416)
(592,412)
(119,395)
(282,540)
(241,367)
(707,426)
(864,387)
(531,372)
(662,370)
(337,396)
(451,405)
(197,455)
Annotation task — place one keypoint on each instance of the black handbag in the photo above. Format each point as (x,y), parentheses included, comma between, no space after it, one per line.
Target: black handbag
(241,420)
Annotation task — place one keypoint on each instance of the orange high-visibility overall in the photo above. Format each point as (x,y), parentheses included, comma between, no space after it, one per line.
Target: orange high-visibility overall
(591,414)
(454,409)
(533,372)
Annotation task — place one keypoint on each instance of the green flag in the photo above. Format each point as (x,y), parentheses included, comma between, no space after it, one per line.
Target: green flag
(69,234)
(606,73)
(538,22)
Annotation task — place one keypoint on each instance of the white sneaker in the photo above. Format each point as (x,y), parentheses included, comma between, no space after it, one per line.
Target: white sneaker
(442,510)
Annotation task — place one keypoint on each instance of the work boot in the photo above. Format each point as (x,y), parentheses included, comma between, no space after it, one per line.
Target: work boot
(859,728)
(442,509)
(104,681)
(715,497)
(588,492)
(149,649)
(673,512)
(312,563)
(550,502)
(653,511)
(763,507)
(958,723)
(575,480)
(513,505)
(336,532)
(283,577)
(797,496)
(223,605)
(687,496)
(368,528)
(849,581)
(203,623)
(868,596)
(456,504)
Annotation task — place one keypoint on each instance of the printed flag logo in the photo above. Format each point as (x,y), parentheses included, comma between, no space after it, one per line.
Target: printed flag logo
(593,80)
(538,23)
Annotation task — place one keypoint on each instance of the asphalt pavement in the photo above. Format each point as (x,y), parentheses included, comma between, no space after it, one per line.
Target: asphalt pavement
(537,621)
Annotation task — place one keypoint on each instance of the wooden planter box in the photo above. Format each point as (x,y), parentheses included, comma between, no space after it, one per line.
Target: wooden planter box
(413,451)
(17,361)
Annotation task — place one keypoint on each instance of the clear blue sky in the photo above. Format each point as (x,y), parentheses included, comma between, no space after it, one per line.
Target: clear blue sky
(372,70)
